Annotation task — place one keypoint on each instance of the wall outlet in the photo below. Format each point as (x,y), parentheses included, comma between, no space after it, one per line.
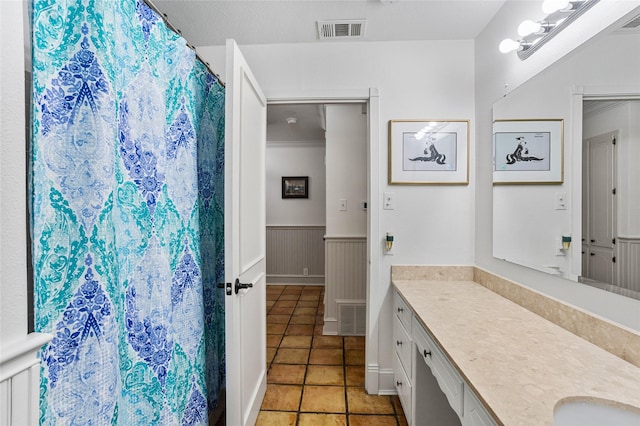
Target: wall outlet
(343,205)
(305,271)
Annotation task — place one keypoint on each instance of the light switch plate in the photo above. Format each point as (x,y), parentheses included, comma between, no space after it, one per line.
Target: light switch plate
(343,205)
(561,201)
(388,201)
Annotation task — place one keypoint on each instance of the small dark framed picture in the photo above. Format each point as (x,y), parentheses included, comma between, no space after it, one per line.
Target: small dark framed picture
(295,187)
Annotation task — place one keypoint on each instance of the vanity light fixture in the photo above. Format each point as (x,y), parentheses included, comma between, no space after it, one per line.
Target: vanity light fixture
(533,35)
(292,120)
(566,242)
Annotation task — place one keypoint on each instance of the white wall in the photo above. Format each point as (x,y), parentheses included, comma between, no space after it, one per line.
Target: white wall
(13,250)
(432,225)
(346,170)
(295,159)
(549,96)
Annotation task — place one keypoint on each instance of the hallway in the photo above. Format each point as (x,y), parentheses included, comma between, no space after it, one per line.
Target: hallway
(314,379)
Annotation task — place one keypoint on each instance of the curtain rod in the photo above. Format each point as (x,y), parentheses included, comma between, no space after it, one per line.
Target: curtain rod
(165,18)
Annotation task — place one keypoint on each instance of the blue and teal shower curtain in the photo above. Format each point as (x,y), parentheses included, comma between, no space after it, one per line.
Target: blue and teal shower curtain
(127,193)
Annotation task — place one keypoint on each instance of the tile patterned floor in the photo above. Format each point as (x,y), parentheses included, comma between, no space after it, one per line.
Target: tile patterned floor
(316,380)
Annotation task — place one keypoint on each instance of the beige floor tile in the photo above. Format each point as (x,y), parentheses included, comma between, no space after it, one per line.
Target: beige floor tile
(286,374)
(326,356)
(276,287)
(303,319)
(278,319)
(276,328)
(361,403)
(315,419)
(307,304)
(273,340)
(325,375)
(304,311)
(271,352)
(285,303)
(318,330)
(355,375)
(402,420)
(281,310)
(310,297)
(270,304)
(282,397)
(272,297)
(323,399)
(292,289)
(300,329)
(372,420)
(354,342)
(289,297)
(327,342)
(276,418)
(292,341)
(354,357)
(397,405)
(291,356)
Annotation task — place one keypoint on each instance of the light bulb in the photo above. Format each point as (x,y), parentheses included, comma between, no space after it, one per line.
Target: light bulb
(529,27)
(507,45)
(551,6)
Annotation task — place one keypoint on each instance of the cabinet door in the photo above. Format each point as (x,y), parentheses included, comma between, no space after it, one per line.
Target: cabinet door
(403,387)
(601,266)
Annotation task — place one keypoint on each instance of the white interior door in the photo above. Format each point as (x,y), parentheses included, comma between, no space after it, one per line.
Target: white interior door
(245,308)
(599,214)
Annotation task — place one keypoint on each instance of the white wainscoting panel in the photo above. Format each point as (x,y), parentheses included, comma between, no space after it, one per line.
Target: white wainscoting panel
(295,254)
(629,261)
(345,276)
(20,381)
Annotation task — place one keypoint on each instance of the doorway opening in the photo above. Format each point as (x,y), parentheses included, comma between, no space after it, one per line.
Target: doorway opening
(320,237)
(610,229)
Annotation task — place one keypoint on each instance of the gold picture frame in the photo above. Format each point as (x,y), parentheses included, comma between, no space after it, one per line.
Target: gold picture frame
(428,152)
(528,151)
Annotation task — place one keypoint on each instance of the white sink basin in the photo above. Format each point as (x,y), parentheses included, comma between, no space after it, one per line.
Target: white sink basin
(594,412)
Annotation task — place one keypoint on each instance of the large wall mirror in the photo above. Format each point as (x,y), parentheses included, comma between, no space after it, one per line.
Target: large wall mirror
(594,96)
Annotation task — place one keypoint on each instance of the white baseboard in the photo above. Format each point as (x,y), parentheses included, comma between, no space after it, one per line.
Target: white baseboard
(379,381)
(330,327)
(295,279)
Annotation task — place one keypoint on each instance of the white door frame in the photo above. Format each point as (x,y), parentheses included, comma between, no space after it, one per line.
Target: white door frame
(578,95)
(374,298)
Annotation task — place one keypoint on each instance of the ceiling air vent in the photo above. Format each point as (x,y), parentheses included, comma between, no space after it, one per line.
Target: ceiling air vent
(634,23)
(341,29)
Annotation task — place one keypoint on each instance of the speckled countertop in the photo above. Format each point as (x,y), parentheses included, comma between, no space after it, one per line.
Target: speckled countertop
(519,364)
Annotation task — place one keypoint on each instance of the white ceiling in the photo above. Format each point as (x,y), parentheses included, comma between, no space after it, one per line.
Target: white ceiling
(211,22)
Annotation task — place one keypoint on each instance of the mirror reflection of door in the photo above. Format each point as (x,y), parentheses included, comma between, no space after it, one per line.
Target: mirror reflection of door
(598,213)
(611,195)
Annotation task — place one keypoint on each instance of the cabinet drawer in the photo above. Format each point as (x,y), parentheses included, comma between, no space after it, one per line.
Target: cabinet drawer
(402,343)
(402,311)
(448,378)
(474,412)
(403,386)
(423,342)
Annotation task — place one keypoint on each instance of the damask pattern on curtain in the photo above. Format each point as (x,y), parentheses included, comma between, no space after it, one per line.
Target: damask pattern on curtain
(127,193)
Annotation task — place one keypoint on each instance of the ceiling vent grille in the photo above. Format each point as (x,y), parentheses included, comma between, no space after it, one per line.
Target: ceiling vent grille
(342,29)
(634,23)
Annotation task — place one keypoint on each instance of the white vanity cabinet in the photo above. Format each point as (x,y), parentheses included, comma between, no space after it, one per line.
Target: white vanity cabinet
(431,389)
(403,351)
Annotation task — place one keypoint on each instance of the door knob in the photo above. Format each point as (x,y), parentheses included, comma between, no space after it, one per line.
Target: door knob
(238,285)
